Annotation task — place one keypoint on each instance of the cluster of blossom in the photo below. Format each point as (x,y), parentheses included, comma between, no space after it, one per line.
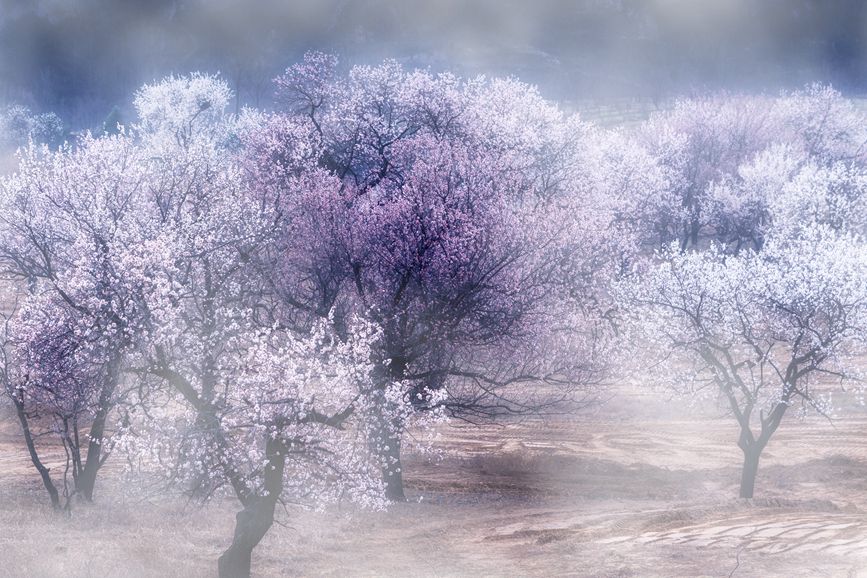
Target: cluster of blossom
(795,301)
(713,150)
(273,386)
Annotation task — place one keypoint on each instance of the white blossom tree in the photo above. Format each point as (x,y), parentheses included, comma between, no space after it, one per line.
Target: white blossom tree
(712,149)
(762,331)
(71,241)
(245,400)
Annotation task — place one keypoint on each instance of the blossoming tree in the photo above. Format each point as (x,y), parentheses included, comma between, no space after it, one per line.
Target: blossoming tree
(241,398)
(706,146)
(467,218)
(71,241)
(764,331)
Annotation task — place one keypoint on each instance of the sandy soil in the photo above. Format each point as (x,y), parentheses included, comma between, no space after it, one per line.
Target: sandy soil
(632,489)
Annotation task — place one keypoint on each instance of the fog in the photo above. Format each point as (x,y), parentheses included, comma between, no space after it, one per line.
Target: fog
(570,338)
(80,58)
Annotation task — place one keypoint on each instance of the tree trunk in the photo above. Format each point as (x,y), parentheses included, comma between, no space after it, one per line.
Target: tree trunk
(753,447)
(392,472)
(751,469)
(388,429)
(44,472)
(254,521)
(95,459)
(251,525)
(87,480)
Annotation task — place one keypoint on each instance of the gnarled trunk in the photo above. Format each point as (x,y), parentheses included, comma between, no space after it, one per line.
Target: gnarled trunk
(753,446)
(251,525)
(86,482)
(254,521)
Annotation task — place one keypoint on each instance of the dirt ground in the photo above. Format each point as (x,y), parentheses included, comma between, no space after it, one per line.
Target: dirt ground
(640,487)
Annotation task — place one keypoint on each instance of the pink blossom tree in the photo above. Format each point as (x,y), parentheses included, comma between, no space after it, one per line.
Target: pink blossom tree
(463,217)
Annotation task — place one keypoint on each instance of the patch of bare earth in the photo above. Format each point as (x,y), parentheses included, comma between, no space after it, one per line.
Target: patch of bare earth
(634,489)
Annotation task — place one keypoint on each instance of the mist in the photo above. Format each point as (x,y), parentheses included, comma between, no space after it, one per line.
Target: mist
(433,288)
(80,58)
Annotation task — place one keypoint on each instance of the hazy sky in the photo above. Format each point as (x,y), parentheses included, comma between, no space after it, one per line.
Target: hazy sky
(81,57)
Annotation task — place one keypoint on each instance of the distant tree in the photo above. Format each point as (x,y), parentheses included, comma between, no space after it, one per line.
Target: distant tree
(706,145)
(187,108)
(19,126)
